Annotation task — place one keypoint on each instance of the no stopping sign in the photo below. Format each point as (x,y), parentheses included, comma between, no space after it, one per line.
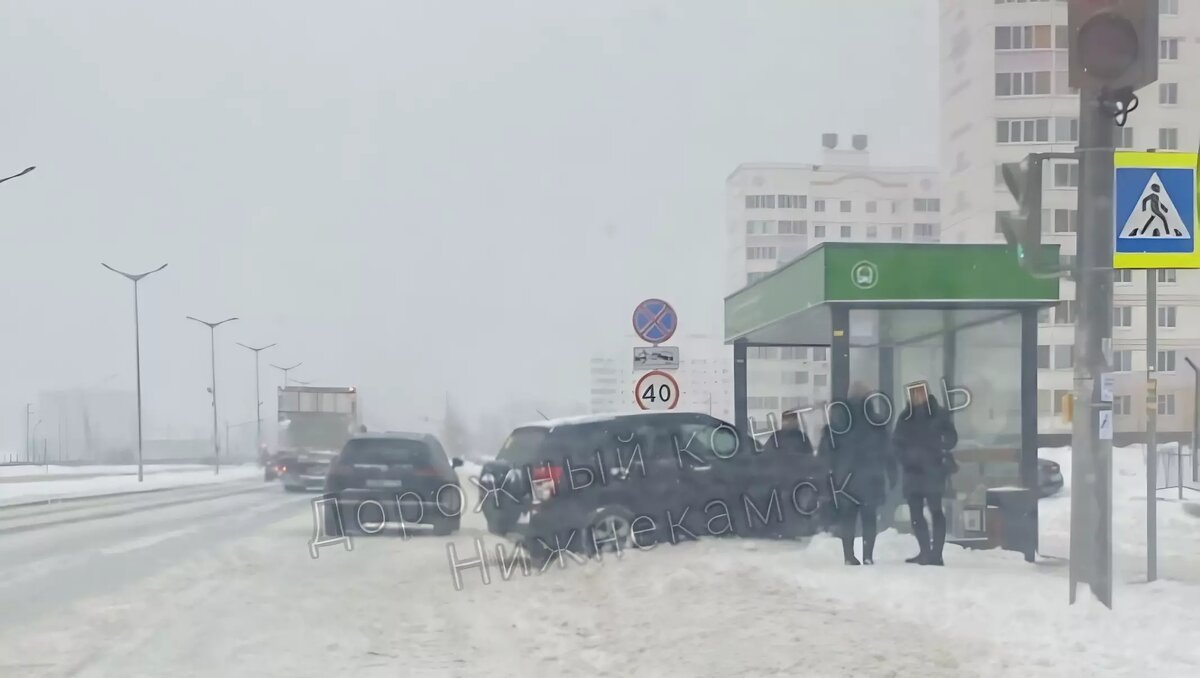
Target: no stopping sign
(656,390)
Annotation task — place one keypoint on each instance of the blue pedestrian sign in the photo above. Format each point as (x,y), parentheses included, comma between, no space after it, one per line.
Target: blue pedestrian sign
(654,321)
(1155,210)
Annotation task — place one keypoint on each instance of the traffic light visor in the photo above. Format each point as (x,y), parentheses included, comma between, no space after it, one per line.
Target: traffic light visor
(1014,177)
(1108,46)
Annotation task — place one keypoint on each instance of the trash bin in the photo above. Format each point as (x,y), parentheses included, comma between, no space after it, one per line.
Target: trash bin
(1016,508)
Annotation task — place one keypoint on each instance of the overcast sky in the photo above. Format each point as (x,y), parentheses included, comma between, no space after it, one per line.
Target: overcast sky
(414,197)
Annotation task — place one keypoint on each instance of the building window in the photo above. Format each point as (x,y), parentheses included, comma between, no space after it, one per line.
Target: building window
(872,232)
(1124,137)
(846,232)
(1059,396)
(1168,138)
(1043,316)
(1064,312)
(1168,49)
(1122,275)
(793,202)
(1122,404)
(760,202)
(1168,93)
(897,233)
(1166,361)
(1066,221)
(1062,83)
(819,353)
(927,205)
(798,377)
(871,206)
(793,227)
(1166,403)
(845,206)
(1123,361)
(762,402)
(1028,83)
(760,227)
(820,380)
(1169,7)
(819,205)
(1043,357)
(1066,175)
(1122,316)
(1022,130)
(1066,129)
(794,352)
(1062,37)
(924,231)
(1043,400)
(1064,357)
(1166,316)
(1167,275)
(760,253)
(819,231)
(1023,37)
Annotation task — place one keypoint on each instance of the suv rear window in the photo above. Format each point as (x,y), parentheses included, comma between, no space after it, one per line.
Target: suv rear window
(523,447)
(387,451)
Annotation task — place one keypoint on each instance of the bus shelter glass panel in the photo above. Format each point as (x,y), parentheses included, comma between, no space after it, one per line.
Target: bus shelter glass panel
(918,341)
(987,365)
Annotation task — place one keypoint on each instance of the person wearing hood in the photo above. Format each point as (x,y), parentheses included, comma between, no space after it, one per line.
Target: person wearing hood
(922,440)
(855,447)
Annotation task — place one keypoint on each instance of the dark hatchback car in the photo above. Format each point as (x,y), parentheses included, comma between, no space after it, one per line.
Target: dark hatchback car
(1050,478)
(386,478)
(593,483)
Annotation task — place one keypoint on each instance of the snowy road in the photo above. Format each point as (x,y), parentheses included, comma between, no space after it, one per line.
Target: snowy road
(226,587)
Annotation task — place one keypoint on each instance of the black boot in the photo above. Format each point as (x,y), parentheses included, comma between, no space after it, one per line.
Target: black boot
(939,537)
(851,560)
(848,550)
(869,530)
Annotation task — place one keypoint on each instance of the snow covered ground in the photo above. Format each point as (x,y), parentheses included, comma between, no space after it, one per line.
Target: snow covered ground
(256,604)
(59,486)
(10,471)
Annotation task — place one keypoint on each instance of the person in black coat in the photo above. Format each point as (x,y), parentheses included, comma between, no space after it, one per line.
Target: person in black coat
(861,467)
(922,440)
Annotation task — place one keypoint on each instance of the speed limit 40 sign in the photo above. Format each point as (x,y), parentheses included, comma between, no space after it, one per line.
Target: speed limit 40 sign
(656,390)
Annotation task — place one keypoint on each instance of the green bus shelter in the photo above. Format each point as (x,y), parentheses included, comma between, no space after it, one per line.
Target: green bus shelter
(960,318)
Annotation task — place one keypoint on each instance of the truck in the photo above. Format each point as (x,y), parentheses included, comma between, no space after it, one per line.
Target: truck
(314,423)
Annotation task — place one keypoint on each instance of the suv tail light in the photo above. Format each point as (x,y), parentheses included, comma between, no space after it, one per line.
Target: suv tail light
(545,483)
(427,471)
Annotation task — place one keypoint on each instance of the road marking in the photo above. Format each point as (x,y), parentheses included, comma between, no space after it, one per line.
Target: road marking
(145,542)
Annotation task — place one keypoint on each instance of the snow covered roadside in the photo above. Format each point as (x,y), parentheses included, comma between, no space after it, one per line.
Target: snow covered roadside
(11,471)
(1178,530)
(60,487)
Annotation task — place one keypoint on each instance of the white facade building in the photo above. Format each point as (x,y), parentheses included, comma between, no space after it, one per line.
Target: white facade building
(1004,94)
(705,376)
(777,211)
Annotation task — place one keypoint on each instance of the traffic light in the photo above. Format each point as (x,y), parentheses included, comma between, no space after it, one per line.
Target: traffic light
(1024,227)
(1113,43)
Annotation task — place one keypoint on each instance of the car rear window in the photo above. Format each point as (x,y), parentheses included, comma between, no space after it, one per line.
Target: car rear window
(387,451)
(523,447)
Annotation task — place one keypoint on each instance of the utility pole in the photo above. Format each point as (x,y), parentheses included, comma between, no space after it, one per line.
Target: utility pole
(137,348)
(28,431)
(1113,52)
(257,396)
(212,342)
(285,371)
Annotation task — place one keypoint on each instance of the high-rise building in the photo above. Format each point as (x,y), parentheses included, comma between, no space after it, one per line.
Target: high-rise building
(705,376)
(1005,94)
(777,211)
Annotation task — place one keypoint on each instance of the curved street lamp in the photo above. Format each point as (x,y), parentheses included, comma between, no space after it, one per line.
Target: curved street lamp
(22,173)
(212,339)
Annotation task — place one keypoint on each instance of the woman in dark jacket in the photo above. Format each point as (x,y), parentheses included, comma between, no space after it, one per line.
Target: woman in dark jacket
(855,447)
(922,441)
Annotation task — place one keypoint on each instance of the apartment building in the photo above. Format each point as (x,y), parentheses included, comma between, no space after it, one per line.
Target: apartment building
(777,211)
(1005,94)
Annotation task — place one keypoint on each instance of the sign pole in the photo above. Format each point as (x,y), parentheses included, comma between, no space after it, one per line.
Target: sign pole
(1152,425)
(1091,457)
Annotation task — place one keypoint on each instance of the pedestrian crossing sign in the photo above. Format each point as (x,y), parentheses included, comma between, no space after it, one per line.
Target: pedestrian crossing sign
(1155,210)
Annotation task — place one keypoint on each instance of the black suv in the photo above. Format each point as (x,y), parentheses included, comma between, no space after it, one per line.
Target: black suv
(587,484)
(381,478)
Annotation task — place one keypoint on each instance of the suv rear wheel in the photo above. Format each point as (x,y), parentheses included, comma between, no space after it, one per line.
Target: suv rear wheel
(609,531)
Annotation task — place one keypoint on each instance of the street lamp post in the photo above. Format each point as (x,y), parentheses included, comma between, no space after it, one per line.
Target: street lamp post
(212,342)
(257,395)
(22,173)
(137,348)
(285,371)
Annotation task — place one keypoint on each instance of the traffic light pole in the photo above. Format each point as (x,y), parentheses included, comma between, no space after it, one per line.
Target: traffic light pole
(1091,457)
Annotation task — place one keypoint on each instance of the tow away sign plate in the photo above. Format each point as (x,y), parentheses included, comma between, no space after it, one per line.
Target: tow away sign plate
(656,358)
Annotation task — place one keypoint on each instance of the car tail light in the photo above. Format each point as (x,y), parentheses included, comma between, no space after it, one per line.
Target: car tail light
(428,471)
(545,483)
(280,468)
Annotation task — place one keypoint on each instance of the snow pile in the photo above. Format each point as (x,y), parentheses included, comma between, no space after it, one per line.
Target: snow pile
(59,487)
(18,470)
